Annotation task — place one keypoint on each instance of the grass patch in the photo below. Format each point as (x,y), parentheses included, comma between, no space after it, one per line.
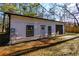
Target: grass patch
(70,48)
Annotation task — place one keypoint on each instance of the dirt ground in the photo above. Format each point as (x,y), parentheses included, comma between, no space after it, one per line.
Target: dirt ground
(69,48)
(43,47)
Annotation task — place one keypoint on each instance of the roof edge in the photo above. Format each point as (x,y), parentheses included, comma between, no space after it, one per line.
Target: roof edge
(31,17)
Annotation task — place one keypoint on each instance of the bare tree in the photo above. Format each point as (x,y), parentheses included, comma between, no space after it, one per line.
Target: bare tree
(65,7)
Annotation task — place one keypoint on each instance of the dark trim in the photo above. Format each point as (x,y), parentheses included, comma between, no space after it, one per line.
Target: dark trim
(32,17)
(59,28)
(49,30)
(32,31)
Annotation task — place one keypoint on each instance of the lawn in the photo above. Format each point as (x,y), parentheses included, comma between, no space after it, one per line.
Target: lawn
(69,48)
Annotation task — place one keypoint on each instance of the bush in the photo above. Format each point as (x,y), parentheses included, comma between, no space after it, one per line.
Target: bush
(4,39)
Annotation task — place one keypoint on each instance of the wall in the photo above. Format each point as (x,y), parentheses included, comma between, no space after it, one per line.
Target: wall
(19,23)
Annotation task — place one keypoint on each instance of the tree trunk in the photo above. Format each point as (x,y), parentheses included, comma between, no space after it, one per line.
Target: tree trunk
(3,23)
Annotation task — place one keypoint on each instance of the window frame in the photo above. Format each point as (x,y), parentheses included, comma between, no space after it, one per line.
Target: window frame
(29,31)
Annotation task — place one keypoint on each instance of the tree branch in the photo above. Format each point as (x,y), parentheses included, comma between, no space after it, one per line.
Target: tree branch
(70,14)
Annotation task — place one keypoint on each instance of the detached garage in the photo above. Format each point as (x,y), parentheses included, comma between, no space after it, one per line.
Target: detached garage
(25,28)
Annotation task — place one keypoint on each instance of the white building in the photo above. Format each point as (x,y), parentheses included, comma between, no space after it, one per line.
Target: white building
(25,28)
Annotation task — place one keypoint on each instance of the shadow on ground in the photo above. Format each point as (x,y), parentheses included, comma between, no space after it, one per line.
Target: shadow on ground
(26,51)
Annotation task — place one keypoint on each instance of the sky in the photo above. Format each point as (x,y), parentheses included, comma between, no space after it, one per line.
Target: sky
(71,7)
(46,5)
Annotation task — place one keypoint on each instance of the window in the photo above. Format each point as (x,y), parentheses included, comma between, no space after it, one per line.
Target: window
(29,30)
(12,30)
(43,27)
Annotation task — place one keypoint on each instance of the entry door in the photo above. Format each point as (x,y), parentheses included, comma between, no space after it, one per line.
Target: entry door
(59,29)
(49,31)
(42,31)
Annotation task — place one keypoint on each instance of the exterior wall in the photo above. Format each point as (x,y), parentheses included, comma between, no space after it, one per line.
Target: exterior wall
(19,23)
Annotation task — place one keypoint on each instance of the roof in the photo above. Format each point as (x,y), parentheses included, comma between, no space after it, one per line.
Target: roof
(32,17)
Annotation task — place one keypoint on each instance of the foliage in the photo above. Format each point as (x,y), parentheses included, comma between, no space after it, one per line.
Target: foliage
(28,9)
(71,28)
(30,14)
(25,9)
(8,8)
(56,11)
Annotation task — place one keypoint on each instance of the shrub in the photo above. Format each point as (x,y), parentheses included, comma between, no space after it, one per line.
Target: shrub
(4,39)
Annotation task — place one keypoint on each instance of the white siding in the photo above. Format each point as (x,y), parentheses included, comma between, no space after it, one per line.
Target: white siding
(19,23)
